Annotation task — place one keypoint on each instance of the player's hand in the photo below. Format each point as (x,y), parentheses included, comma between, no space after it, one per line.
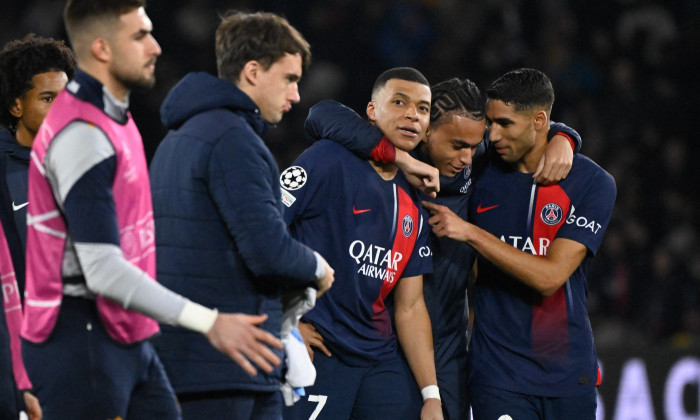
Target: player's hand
(312,338)
(327,281)
(555,163)
(237,336)
(33,407)
(445,222)
(419,174)
(432,410)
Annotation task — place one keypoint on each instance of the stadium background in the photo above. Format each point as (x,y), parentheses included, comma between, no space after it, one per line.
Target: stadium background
(627,76)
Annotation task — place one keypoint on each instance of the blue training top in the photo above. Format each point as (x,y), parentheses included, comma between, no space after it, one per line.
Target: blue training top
(524,342)
(371,231)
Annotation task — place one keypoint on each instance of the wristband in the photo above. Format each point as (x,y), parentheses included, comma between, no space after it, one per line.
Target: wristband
(197,317)
(430,391)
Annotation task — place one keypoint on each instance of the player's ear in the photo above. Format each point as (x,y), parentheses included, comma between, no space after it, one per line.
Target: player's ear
(541,120)
(250,72)
(425,138)
(16,108)
(371,111)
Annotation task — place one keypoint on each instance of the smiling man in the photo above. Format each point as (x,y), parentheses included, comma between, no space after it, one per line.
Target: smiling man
(455,143)
(532,354)
(367,220)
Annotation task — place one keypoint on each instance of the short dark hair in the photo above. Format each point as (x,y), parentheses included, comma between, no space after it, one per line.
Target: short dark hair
(524,89)
(78,13)
(264,37)
(456,97)
(21,60)
(408,74)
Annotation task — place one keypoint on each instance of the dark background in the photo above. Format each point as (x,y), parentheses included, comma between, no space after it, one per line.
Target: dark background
(626,74)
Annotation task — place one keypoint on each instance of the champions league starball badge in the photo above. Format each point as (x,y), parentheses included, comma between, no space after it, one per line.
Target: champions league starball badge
(293,178)
(551,214)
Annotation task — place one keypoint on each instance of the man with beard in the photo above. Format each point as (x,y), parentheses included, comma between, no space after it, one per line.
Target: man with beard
(90,239)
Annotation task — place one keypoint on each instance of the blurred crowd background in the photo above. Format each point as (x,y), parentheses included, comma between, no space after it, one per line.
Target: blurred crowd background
(626,74)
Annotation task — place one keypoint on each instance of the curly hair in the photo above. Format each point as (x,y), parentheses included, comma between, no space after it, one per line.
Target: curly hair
(21,60)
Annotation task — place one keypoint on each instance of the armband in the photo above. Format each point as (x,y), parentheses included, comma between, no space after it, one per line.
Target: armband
(430,391)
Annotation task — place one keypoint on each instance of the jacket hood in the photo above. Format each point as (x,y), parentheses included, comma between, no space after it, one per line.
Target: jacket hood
(199,92)
(9,146)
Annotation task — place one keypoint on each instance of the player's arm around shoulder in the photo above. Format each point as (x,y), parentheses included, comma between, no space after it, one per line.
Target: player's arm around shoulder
(336,122)
(416,338)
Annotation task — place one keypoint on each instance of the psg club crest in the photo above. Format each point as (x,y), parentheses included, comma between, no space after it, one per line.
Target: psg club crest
(551,214)
(293,178)
(467,171)
(407,225)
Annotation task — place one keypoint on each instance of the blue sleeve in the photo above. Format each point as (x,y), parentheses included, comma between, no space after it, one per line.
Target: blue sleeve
(591,208)
(334,121)
(421,261)
(244,183)
(89,207)
(311,198)
(555,127)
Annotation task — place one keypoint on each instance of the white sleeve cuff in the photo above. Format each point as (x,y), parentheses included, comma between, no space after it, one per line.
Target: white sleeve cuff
(320,266)
(430,391)
(197,317)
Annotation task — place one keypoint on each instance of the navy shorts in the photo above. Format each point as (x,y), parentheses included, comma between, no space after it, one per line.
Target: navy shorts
(249,405)
(385,391)
(452,375)
(10,402)
(494,403)
(80,372)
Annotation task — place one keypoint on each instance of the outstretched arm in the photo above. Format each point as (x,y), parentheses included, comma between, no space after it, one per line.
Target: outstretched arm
(334,121)
(546,275)
(416,338)
(81,167)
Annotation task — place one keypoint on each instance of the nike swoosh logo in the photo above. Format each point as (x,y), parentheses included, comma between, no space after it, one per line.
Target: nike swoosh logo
(15,208)
(483,209)
(355,211)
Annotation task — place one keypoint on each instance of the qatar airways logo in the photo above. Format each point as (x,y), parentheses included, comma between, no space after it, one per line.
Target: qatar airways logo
(465,187)
(375,261)
(537,247)
(583,222)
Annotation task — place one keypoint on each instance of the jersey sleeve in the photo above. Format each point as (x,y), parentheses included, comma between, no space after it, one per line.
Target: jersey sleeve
(591,210)
(421,261)
(246,195)
(336,122)
(303,201)
(566,131)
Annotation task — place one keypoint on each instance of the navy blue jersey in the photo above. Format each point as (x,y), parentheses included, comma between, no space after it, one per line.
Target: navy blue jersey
(371,231)
(524,342)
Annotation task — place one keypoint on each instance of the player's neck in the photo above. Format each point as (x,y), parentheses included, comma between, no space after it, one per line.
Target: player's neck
(386,171)
(528,163)
(23,136)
